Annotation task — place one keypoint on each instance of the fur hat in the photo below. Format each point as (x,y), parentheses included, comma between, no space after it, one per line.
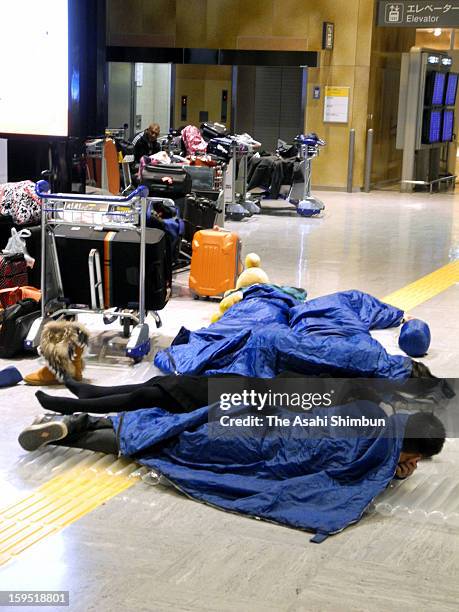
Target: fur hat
(61,342)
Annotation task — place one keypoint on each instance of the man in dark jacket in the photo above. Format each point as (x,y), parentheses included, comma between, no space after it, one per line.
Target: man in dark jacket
(146,142)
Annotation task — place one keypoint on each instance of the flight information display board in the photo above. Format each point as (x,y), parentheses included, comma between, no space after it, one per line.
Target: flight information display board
(451,89)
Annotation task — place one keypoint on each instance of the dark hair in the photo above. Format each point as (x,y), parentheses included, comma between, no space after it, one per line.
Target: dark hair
(424,434)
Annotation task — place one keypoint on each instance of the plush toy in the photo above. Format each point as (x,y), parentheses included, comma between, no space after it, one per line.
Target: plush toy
(252,275)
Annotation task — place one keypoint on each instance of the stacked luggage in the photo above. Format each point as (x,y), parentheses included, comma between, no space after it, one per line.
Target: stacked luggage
(166,180)
(119,255)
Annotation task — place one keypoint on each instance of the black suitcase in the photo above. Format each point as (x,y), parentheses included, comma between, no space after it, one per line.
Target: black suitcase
(119,254)
(212,130)
(153,177)
(221,148)
(199,213)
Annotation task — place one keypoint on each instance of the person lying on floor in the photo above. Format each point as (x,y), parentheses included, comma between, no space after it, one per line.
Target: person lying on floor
(321,479)
(179,394)
(270,331)
(98,434)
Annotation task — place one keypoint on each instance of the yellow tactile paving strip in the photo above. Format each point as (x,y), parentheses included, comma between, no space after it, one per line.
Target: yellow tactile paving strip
(84,487)
(62,501)
(425,288)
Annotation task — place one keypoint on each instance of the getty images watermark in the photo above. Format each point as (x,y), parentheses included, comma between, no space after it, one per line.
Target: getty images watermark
(318,406)
(253,400)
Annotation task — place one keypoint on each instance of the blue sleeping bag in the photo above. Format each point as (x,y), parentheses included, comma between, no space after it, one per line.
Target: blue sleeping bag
(320,479)
(270,332)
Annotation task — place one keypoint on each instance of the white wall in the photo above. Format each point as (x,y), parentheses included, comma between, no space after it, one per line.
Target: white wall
(154,96)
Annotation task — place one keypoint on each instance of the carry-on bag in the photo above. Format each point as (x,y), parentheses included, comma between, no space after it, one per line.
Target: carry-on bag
(198,214)
(222,147)
(119,253)
(13,271)
(165,181)
(215,262)
(212,130)
(16,322)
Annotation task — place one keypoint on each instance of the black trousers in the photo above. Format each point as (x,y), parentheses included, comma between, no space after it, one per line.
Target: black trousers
(173,393)
(91,433)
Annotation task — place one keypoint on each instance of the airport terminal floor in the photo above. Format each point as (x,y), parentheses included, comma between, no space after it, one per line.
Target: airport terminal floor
(119,543)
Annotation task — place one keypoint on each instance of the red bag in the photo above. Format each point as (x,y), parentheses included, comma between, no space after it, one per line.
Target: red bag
(13,271)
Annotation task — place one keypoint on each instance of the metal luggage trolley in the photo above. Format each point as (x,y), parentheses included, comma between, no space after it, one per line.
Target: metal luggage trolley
(113,212)
(238,206)
(300,194)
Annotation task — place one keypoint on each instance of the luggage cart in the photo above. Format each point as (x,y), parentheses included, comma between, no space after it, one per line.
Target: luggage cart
(300,194)
(110,212)
(238,206)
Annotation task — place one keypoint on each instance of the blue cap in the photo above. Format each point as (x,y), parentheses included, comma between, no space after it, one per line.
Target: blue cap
(414,338)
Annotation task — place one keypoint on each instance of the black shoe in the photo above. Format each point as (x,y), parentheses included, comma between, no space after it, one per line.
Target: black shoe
(44,429)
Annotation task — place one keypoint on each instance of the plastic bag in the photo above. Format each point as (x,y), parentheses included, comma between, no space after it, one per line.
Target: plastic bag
(16,245)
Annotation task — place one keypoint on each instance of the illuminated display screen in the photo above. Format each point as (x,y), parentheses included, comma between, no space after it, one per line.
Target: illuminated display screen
(431,132)
(451,89)
(448,125)
(435,88)
(435,126)
(34,67)
(438,88)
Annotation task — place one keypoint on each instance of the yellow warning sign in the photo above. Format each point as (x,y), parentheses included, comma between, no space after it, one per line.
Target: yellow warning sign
(337,92)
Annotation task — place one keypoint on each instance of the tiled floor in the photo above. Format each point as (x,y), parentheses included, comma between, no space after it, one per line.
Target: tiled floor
(152,549)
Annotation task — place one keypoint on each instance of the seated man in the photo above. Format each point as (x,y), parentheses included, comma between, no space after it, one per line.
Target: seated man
(146,142)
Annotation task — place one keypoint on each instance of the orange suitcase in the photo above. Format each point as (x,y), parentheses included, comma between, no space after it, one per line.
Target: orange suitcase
(215,262)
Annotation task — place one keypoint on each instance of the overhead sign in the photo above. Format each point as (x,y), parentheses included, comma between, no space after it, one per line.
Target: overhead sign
(336,105)
(422,14)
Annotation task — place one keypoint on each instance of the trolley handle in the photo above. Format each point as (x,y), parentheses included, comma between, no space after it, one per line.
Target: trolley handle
(42,191)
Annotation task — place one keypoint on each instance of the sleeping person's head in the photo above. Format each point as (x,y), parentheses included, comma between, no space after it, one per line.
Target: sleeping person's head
(424,438)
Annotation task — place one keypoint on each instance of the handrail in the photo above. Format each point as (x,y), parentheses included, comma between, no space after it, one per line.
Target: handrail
(42,191)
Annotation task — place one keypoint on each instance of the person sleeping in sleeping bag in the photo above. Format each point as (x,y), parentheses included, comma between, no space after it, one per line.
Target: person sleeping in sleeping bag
(270,331)
(321,479)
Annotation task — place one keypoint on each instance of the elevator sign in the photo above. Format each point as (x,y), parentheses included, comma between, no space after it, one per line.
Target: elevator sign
(425,14)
